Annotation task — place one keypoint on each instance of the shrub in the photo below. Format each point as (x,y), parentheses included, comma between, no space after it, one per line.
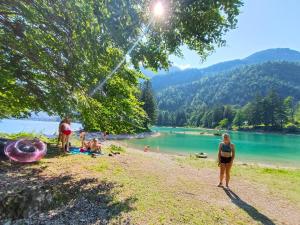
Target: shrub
(28,136)
(291,127)
(114,148)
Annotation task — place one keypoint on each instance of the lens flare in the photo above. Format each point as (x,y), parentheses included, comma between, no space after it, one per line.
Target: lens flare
(158,9)
(157,12)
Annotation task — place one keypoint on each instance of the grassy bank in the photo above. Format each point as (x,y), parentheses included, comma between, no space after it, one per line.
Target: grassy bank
(151,188)
(278,181)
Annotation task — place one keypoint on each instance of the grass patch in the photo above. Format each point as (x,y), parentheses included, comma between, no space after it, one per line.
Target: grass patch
(100,166)
(114,148)
(28,136)
(283,182)
(159,203)
(195,162)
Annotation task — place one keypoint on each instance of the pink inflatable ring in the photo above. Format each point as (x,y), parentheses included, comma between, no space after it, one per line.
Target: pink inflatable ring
(26,150)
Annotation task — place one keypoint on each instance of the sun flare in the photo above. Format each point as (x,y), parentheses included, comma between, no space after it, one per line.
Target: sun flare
(158,9)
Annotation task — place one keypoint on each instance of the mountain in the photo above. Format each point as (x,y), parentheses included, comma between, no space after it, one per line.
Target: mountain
(235,87)
(160,82)
(151,74)
(42,116)
(276,54)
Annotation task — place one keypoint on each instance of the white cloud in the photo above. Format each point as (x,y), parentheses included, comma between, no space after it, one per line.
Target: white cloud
(183,66)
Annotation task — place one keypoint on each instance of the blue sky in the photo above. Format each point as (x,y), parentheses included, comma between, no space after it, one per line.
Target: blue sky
(262,24)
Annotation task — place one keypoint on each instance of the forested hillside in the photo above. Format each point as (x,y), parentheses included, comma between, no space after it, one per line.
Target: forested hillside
(236,87)
(183,104)
(172,78)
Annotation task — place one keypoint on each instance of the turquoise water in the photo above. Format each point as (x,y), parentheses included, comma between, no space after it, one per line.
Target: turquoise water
(44,127)
(275,149)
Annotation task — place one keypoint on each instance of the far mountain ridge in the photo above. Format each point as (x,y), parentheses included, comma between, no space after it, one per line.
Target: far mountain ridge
(235,87)
(162,81)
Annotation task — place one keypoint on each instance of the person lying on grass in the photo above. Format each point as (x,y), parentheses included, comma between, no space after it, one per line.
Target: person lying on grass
(94,146)
(226,156)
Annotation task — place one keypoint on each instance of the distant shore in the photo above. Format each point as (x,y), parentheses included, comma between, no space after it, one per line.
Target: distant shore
(253,130)
(210,158)
(91,135)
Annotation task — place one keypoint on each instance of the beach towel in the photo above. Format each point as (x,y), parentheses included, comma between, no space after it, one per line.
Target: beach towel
(76,151)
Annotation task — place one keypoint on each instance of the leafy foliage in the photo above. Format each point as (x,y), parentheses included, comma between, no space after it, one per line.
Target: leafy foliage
(53,53)
(26,135)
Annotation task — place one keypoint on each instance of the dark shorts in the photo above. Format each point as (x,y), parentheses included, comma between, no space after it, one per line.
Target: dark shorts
(226,159)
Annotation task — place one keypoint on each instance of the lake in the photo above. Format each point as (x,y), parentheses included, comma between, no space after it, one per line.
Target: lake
(33,126)
(275,149)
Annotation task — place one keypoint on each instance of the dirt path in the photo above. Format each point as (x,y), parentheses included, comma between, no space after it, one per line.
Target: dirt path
(144,188)
(252,198)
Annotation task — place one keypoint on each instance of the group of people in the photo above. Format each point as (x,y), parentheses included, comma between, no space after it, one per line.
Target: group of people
(226,153)
(64,133)
(93,145)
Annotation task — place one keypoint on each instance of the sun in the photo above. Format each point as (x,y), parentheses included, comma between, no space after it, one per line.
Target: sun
(158,9)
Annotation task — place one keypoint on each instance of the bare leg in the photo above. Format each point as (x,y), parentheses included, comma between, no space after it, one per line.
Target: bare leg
(63,141)
(67,142)
(82,141)
(59,139)
(228,167)
(222,171)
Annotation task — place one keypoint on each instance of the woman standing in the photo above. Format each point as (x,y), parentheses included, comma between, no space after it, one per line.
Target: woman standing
(66,132)
(226,156)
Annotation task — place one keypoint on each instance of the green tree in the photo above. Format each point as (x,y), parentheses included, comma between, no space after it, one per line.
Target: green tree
(180,118)
(54,53)
(207,119)
(217,115)
(239,119)
(275,110)
(255,111)
(297,113)
(289,108)
(159,121)
(229,113)
(224,123)
(149,104)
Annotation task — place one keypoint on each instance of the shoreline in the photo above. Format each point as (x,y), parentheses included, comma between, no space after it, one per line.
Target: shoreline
(210,159)
(259,131)
(99,135)
(195,133)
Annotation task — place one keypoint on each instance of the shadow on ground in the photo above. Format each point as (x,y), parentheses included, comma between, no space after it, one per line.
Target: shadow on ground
(253,212)
(54,151)
(25,193)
